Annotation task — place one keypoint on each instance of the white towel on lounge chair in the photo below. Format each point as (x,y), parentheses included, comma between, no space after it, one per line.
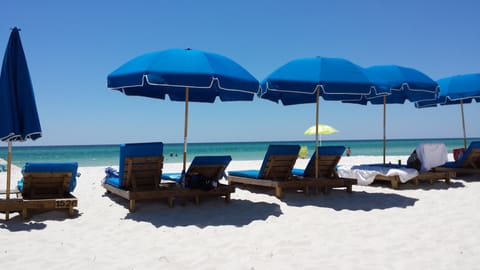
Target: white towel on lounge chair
(431,155)
(365,174)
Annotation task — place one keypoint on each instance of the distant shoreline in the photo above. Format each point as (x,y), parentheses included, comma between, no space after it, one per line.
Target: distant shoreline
(20,144)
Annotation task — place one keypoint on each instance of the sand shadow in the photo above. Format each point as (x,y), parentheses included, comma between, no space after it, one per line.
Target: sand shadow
(210,212)
(469,177)
(17,224)
(38,215)
(358,200)
(422,185)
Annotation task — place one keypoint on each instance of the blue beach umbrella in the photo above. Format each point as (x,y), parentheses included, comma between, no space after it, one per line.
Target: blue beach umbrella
(19,117)
(304,80)
(184,75)
(394,85)
(457,89)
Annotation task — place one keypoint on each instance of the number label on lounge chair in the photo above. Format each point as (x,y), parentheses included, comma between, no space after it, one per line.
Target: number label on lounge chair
(66,203)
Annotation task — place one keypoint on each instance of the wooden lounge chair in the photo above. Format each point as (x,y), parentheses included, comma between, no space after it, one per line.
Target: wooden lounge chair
(210,168)
(469,163)
(427,154)
(328,158)
(48,186)
(139,174)
(275,172)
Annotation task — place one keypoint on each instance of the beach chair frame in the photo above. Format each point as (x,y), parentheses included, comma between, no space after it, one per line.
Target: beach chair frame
(141,178)
(47,191)
(327,174)
(470,164)
(211,167)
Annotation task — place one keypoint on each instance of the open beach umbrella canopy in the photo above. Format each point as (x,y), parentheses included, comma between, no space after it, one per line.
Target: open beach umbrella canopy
(454,90)
(394,85)
(322,129)
(184,75)
(304,80)
(18,110)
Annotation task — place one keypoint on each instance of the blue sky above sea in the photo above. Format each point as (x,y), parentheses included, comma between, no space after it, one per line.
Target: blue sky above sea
(71,47)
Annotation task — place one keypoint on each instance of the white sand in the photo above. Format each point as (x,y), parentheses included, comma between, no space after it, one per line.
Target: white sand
(376,227)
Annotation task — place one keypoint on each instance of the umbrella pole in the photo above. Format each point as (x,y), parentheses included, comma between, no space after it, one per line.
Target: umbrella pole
(9,175)
(185,133)
(463,124)
(384,128)
(316,134)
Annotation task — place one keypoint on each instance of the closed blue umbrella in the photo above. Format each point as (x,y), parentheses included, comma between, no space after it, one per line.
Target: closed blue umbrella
(457,89)
(184,75)
(304,80)
(19,117)
(394,85)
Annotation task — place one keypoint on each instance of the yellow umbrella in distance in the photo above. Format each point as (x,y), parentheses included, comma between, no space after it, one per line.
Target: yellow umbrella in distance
(322,129)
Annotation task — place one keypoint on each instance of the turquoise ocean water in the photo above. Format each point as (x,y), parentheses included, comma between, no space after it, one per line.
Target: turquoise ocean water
(104,155)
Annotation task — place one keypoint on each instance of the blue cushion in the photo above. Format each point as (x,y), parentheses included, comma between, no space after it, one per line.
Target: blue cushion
(296,171)
(111,172)
(153,149)
(51,167)
(114,181)
(199,160)
(211,160)
(177,177)
(255,174)
(451,164)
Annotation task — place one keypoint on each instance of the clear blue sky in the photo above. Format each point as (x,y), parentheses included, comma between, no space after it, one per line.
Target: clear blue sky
(71,47)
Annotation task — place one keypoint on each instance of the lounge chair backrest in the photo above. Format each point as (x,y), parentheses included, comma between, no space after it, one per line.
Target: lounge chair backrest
(44,180)
(279,161)
(471,156)
(212,167)
(139,162)
(52,167)
(46,185)
(328,158)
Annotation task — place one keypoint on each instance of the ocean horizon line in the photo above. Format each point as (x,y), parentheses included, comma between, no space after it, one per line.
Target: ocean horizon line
(19,145)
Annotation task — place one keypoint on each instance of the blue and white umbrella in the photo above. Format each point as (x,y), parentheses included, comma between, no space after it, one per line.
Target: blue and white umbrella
(394,85)
(18,110)
(304,80)
(184,75)
(457,89)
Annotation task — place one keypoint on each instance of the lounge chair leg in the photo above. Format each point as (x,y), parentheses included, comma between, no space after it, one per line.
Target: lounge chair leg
(24,213)
(197,200)
(170,202)
(70,211)
(227,198)
(132,205)
(278,192)
(395,184)
(306,190)
(349,189)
